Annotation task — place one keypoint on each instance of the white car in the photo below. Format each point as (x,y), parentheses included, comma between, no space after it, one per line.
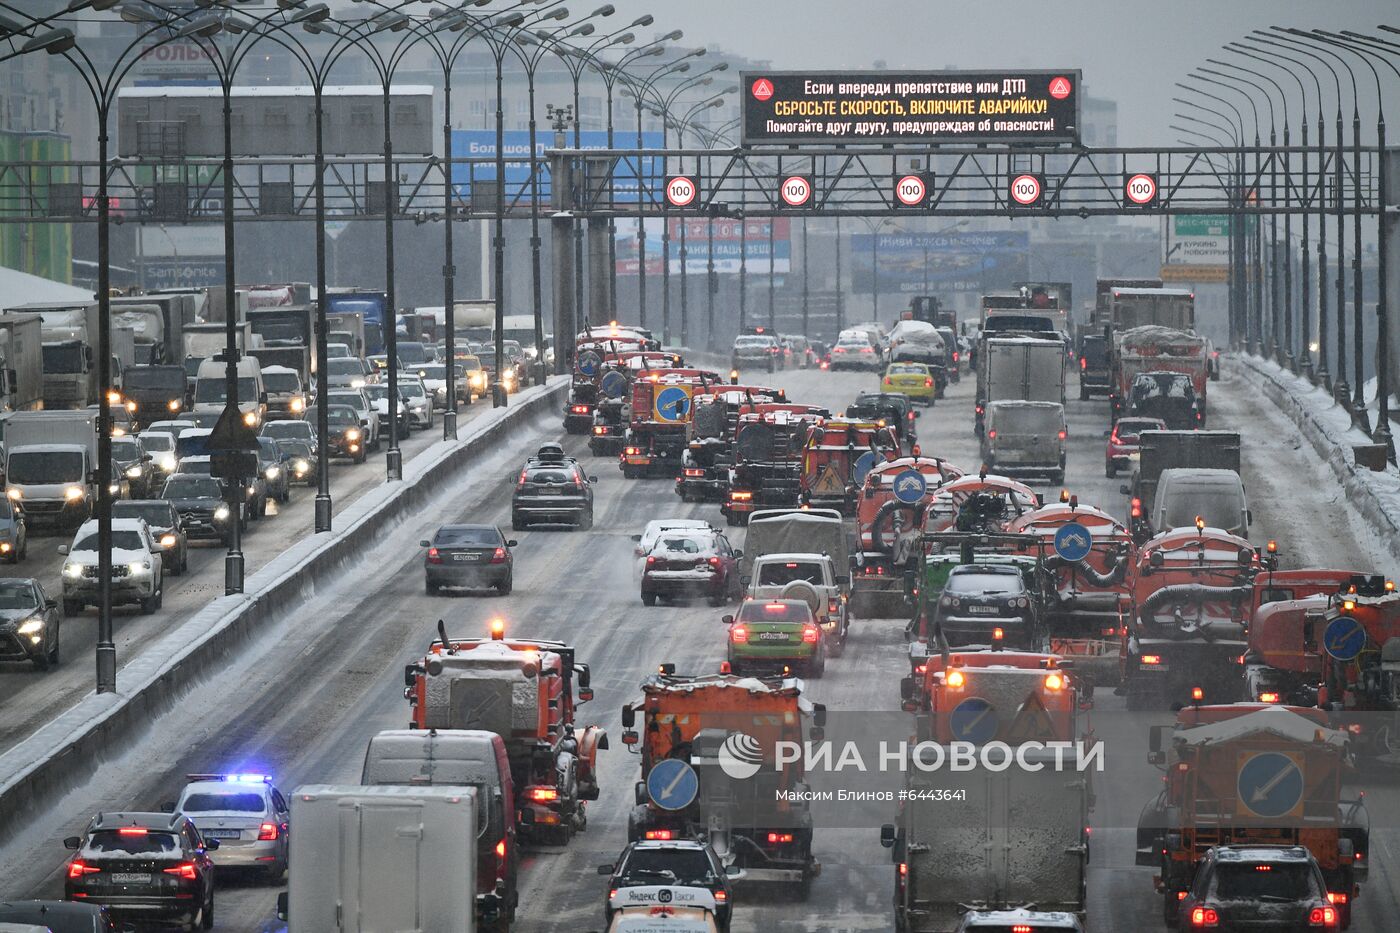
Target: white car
(645,541)
(246,813)
(415,396)
(434,376)
(338,351)
(137,567)
(359,400)
(379,400)
(997,921)
(161,446)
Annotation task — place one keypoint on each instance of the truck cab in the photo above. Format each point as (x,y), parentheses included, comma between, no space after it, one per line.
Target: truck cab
(210,395)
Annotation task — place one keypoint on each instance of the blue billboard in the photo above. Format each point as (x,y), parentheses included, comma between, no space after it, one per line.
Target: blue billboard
(934,263)
(481,144)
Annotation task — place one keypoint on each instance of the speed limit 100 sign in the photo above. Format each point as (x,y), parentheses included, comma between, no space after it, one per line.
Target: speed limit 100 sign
(1026,189)
(796,191)
(1140,190)
(913,190)
(681,190)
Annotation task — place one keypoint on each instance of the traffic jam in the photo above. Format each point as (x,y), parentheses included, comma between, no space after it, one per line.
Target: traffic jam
(916,521)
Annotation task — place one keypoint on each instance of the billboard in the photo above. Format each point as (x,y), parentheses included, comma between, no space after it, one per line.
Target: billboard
(481,144)
(921,108)
(731,242)
(940,263)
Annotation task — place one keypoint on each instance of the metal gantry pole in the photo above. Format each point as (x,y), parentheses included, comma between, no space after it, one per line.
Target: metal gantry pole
(393,460)
(498,391)
(710,283)
(449,266)
(323,385)
(106,647)
(238,505)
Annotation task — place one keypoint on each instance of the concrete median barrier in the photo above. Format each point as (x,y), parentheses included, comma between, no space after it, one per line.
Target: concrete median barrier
(67,751)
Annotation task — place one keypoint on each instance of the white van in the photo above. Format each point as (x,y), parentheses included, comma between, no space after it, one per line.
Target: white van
(210,396)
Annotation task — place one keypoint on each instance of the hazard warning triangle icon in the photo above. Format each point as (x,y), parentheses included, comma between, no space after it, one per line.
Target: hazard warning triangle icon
(1059,88)
(1032,723)
(828,483)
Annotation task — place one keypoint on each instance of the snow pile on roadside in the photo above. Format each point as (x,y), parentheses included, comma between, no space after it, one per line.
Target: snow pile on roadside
(1327,427)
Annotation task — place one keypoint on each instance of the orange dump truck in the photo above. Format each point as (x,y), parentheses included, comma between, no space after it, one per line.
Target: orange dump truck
(1249,773)
(659,420)
(524,691)
(836,457)
(690,731)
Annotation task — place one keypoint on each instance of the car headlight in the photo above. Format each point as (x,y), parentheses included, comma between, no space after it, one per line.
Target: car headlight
(221,513)
(139,566)
(250,418)
(357,383)
(71,569)
(130,406)
(133,472)
(168,540)
(167,463)
(73,493)
(31,626)
(297,404)
(248,491)
(353,434)
(272,472)
(174,404)
(14,493)
(300,466)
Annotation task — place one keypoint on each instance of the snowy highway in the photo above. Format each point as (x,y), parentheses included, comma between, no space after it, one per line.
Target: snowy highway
(303,701)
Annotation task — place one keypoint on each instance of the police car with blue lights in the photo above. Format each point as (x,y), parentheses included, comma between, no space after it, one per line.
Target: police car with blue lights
(246,813)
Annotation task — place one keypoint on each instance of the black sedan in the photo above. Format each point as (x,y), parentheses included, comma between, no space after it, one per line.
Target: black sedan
(552,493)
(166,527)
(144,867)
(272,466)
(981,599)
(29,623)
(300,461)
(470,556)
(344,433)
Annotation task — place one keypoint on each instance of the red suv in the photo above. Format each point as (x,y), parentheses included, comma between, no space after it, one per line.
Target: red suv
(687,562)
(1123,442)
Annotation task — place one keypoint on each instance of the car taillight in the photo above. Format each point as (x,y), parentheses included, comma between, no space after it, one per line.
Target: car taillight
(738,496)
(867,349)
(692,472)
(77,868)
(521,481)
(928,384)
(889,381)
(1064,434)
(267,832)
(662,834)
(721,897)
(651,561)
(738,634)
(498,556)
(1137,508)
(714,562)
(434,556)
(833,605)
(543,794)
(579,409)
(1083,362)
(955,356)
(599,430)
(992,435)
(184,871)
(1151,659)
(501,849)
(578,480)
(1206,917)
(1113,438)
(779,838)
(1322,916)
(631,451)
(811,634)
(1337,897)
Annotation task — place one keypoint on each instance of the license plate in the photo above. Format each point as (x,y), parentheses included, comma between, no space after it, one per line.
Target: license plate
(221,833)
(466,557)
(772,636)
(131,877)
(982,609)
(551,492)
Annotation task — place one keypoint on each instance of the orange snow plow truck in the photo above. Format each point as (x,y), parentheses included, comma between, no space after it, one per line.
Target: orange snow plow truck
(524,691)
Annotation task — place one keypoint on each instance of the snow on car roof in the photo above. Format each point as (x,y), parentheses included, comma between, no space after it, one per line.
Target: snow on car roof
(792,556)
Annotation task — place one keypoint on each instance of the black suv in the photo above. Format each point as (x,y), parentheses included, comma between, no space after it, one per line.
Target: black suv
(681,863)
(978,599)
(552,491)
(1263,888)
(144,866)
(344,433)
(892,408)
(200,501)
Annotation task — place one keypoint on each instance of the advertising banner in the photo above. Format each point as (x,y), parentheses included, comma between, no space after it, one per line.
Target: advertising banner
(481,144)
(940,263)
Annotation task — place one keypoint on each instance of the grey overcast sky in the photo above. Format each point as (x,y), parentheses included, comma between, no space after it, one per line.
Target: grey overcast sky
(1129,50)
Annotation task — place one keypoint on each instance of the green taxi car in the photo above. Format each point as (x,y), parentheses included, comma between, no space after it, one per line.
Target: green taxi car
(775,636)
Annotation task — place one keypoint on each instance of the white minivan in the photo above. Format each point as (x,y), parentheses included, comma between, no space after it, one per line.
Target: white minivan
(210,392)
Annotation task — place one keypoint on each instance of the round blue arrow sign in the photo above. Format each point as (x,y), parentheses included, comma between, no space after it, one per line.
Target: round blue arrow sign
(862,466)
(1344,638)
(588,363)
(910,486)
(613,384)
(1073,542)
(1270,784)
(672,784)
(672,403)
(973,720)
